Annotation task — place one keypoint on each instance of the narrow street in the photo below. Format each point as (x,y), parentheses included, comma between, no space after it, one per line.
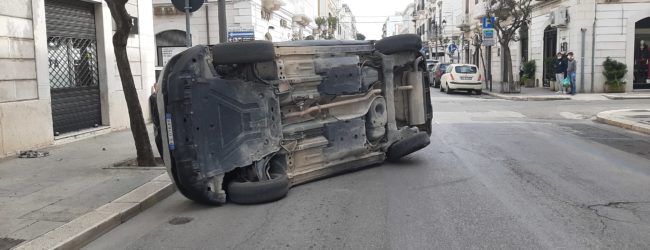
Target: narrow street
(498,175)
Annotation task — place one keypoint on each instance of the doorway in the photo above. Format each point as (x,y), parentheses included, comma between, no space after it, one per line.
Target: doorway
(550,50)
(73,66)
(641,69)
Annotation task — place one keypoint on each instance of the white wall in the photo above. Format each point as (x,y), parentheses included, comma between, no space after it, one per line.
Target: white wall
(25,111)
(25,105)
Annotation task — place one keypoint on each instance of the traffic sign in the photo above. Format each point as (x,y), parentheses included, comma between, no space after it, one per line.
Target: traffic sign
(488,23)
(194,5)
(452,48)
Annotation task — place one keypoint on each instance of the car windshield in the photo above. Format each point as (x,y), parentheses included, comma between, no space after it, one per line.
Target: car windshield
(466,69)
(443,67)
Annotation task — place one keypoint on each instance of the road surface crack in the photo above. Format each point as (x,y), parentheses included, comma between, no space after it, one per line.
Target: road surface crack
(615,204)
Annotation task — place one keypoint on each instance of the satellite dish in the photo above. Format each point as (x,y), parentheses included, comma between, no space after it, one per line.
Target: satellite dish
(194,5)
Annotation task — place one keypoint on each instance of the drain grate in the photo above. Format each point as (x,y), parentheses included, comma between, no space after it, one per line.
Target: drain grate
(8,243)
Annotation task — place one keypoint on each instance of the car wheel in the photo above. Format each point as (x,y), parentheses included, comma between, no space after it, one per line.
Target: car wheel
(245,192)
(406,146)
(399,43)
(448,89)
(243,52)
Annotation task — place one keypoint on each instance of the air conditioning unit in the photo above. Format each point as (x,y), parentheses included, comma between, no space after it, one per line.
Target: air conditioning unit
(559,17)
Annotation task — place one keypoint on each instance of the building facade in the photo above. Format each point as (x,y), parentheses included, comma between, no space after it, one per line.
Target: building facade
(392,26)
(347,24)
(272,20)
(436,22)
(63,79)
(408,27)
(592,29)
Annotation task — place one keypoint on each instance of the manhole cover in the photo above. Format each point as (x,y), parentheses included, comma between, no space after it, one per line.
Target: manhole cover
(180,220)
(639,116)
(8,243)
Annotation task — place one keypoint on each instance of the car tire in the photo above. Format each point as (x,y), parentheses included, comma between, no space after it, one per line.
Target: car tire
(243,52)
(448,90)
(406,146)
(399,43)
(258,192)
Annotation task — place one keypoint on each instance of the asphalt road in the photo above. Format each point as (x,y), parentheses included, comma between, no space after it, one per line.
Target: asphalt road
(498,175)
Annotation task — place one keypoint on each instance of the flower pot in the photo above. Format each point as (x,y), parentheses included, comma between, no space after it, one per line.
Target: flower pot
(529,83)
(614,88)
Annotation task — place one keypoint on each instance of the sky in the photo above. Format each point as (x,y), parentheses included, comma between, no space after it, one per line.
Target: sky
(371,14)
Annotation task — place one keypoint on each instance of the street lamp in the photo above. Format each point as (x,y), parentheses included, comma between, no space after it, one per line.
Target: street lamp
(439,26)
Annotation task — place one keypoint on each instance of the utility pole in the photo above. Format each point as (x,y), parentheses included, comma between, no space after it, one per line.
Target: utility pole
(489,65)
(223,26)
(188,37)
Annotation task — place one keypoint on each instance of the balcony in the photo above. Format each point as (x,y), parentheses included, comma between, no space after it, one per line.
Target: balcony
(463,22)
(479,10)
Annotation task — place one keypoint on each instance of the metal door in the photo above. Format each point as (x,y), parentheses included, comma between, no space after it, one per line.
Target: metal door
(72,56)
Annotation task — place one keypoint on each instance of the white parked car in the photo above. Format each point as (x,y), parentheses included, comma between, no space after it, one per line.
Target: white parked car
(461,77)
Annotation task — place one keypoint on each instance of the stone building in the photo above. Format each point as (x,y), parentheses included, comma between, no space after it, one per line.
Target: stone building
(274,20)
(616,28)
(59,79)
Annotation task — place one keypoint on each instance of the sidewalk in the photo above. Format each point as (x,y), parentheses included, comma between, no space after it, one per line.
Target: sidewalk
(632,119)
(544,94)
(73,195)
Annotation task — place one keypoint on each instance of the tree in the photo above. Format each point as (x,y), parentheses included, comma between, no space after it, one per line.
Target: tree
(361,36)
(333,23)
(320,24)
(120,38)
(510,15)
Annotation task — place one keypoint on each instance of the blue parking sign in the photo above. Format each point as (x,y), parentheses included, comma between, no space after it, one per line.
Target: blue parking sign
(488,23)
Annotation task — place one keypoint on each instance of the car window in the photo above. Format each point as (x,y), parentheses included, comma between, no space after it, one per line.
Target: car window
(443,67)
(448,70)
(466,69)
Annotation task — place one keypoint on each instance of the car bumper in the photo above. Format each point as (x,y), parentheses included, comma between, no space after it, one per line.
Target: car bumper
(466,85)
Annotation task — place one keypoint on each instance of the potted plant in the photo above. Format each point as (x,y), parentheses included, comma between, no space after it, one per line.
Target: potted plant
(614,71)
(549,72)
(528,76)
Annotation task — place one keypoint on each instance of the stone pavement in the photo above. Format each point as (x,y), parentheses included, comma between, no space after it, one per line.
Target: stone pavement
(545,94)
(38,195)
(633,119)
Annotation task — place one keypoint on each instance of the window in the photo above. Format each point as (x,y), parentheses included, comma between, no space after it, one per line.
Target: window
(284,23)
(266,15)
(466,69)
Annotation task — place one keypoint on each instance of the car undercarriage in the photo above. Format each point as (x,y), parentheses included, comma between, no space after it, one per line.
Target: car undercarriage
(246,121)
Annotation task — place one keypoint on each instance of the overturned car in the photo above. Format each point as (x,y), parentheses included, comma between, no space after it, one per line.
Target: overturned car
(245,121)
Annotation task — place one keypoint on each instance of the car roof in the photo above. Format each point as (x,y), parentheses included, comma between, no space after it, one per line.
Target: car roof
(463,64)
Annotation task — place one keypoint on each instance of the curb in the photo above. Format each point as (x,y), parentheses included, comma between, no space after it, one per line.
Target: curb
(88,227)
(627,97)
(528,98)
(607,118)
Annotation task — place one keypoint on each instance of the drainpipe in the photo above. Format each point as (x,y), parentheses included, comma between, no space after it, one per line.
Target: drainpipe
(593,45)
(582,61)
(207,22)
